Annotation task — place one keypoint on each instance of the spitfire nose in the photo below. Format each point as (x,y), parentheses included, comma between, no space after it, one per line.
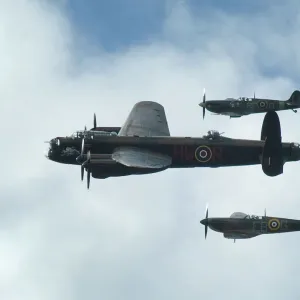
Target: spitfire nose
(204,222)
(201,104)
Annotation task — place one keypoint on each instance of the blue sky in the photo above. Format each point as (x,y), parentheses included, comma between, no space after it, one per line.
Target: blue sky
(116,25)
(119,23)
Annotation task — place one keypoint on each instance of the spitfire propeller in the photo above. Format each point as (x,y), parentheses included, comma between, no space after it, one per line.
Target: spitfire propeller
(203,103)
(206,217)
(205,221)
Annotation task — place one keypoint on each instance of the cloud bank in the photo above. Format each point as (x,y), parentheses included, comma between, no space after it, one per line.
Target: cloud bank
(140,237)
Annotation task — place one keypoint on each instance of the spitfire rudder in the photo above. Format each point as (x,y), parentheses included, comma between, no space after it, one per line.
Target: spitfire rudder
(295,97)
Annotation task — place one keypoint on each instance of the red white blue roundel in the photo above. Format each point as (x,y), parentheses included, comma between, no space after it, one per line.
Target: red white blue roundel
(203,154)
(274,224)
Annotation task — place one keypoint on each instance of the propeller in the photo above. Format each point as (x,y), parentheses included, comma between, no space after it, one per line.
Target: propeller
(206,217)
(95,121)
(205,221)
(265,212)
(85,165)
(203,102)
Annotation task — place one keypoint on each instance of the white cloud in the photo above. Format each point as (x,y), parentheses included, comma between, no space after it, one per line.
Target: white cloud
(139,236)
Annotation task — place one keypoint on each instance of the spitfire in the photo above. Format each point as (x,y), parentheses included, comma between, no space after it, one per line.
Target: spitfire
(144,145)
(243,226)
(236,108)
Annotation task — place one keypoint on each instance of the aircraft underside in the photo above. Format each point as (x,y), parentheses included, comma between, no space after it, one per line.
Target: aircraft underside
(118,170)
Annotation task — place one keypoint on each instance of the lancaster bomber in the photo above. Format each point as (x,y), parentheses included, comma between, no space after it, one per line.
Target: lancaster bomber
(236,108)
(242,226)
(144,145)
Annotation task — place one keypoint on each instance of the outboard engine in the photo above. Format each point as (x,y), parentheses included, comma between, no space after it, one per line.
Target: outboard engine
(272,155)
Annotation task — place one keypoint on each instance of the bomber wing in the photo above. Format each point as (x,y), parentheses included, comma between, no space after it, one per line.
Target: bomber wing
(146,119)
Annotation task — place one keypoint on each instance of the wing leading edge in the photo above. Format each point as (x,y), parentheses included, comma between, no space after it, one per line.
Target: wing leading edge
(146,119)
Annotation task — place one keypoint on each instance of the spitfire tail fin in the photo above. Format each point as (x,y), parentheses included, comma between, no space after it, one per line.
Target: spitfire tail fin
(295,97)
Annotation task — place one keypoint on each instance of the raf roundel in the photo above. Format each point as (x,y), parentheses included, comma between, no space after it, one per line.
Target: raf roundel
(203,154)
(274,224)
(262,104)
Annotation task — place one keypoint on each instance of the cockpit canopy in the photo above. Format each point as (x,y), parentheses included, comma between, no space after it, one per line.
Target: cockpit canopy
(241,215)
(244,99)
(90,133)
(240,99)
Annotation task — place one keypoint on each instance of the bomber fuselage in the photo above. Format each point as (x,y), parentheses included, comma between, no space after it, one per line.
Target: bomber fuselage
(186,152)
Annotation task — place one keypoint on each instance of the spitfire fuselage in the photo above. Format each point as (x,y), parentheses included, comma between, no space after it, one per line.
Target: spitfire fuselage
(237,108)
(246,228)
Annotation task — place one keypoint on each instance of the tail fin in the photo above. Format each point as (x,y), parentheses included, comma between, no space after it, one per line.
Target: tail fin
(272,156)
(295,97)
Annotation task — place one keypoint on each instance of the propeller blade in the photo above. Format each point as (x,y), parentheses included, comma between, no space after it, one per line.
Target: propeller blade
(82,172)
(204,99)
(206,217)
(85,162)
(265,212)
(95,121)
(88,178)
(82,147)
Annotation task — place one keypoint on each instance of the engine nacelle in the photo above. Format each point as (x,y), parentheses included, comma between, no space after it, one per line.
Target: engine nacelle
(272,155)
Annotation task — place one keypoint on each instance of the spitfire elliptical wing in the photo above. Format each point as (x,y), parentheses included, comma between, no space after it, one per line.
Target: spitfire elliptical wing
(146,119)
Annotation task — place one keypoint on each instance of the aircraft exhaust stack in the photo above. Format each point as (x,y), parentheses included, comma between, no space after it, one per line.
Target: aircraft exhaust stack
(272,154)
